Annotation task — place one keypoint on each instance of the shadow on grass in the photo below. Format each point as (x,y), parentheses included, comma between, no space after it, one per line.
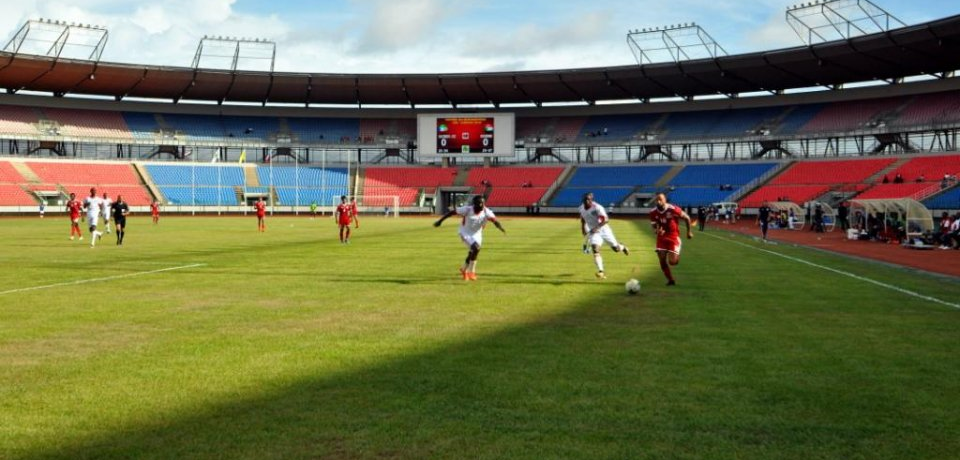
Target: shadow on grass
(565,386)
(614,378)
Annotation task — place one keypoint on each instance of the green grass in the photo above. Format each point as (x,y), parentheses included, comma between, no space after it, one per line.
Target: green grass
(290,345)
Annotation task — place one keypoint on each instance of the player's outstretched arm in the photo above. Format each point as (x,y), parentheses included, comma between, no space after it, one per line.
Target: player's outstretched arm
(496,223)
(445,216)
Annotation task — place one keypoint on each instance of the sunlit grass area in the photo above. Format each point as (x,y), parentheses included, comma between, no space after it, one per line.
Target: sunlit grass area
(201,338)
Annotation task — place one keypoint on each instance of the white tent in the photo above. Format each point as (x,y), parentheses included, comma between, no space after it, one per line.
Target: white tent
(914,215)
(799,220)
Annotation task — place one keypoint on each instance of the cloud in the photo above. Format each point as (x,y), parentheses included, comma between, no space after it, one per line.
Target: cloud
(773,34)
(397,24)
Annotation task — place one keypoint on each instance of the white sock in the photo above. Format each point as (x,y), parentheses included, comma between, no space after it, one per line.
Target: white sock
(598,260)
(472,266)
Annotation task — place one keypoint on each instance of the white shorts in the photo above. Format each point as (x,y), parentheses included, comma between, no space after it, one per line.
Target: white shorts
(470,239)
(106,219)
(92,220)
(604,234)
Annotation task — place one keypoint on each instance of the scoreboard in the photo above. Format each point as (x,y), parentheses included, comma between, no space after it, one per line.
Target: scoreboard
(477,135)
(465,135)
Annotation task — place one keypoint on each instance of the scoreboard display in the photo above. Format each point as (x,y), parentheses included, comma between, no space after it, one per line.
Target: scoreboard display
(459,134)
(465,135)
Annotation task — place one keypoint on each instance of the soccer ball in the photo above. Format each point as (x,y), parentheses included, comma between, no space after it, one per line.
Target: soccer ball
(632,287)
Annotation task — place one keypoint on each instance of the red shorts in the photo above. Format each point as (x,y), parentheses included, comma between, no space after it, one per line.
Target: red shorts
(261,214)
(345,221)
(669,244)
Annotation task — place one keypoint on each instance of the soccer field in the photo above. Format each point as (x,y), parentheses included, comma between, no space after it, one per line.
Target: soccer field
(201,338)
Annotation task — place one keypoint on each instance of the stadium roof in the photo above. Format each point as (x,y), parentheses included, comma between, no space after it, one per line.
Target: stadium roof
(928,48)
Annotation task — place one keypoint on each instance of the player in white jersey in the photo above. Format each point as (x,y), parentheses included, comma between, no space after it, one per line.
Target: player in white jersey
(593,225)
(93,205)
(106,203)
(473,219)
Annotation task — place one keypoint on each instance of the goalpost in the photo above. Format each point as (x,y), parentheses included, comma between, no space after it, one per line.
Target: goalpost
(382,205)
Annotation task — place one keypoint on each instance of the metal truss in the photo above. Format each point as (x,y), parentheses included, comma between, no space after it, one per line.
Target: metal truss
(680,42)
(232,53)
(829,20)
(56,39)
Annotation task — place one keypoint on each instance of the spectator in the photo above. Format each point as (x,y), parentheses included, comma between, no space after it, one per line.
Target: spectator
(942,236)
(898,179)
(920,178)
(953,238)
(886,180)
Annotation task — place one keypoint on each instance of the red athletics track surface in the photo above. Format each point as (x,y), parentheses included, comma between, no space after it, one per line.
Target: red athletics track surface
(946,262)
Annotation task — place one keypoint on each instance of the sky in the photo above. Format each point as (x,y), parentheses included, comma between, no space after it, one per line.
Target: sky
(421,36)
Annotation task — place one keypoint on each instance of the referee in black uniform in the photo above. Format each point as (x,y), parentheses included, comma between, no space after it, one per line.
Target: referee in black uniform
(119,209)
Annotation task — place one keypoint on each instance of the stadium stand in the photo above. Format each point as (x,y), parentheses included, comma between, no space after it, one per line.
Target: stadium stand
(14,195)
(609,184)
(949,199)
(612,128)
(11,193)
(796,118)
(905,190)
(90,123)
(378,129)
(795,193)
(832,171)
(697,185)
(79,177)
(197,184)
(514,186)
(930,109)
(15,119)
(324,130)
(930,168)
(9,174)
(850,116)
(302,186)
(806,180)
(202,128)
(514,176)
(143,126)
(406,183)
(720,174)
(261,128)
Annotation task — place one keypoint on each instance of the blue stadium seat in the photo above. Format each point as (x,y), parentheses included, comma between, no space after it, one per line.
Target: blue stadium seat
(723,174)
(798,117)
(947,200)
(611,176)
(302,186)
(618,127)
(571,197)
(324,130)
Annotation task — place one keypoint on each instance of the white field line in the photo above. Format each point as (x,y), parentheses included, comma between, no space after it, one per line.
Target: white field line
(96,280)
(841,272)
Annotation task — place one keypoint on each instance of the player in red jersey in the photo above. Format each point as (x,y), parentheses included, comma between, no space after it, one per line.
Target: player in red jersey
(73,207)
(355,211)
(344,215)
(261,207)
(665,221)
(155,211)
